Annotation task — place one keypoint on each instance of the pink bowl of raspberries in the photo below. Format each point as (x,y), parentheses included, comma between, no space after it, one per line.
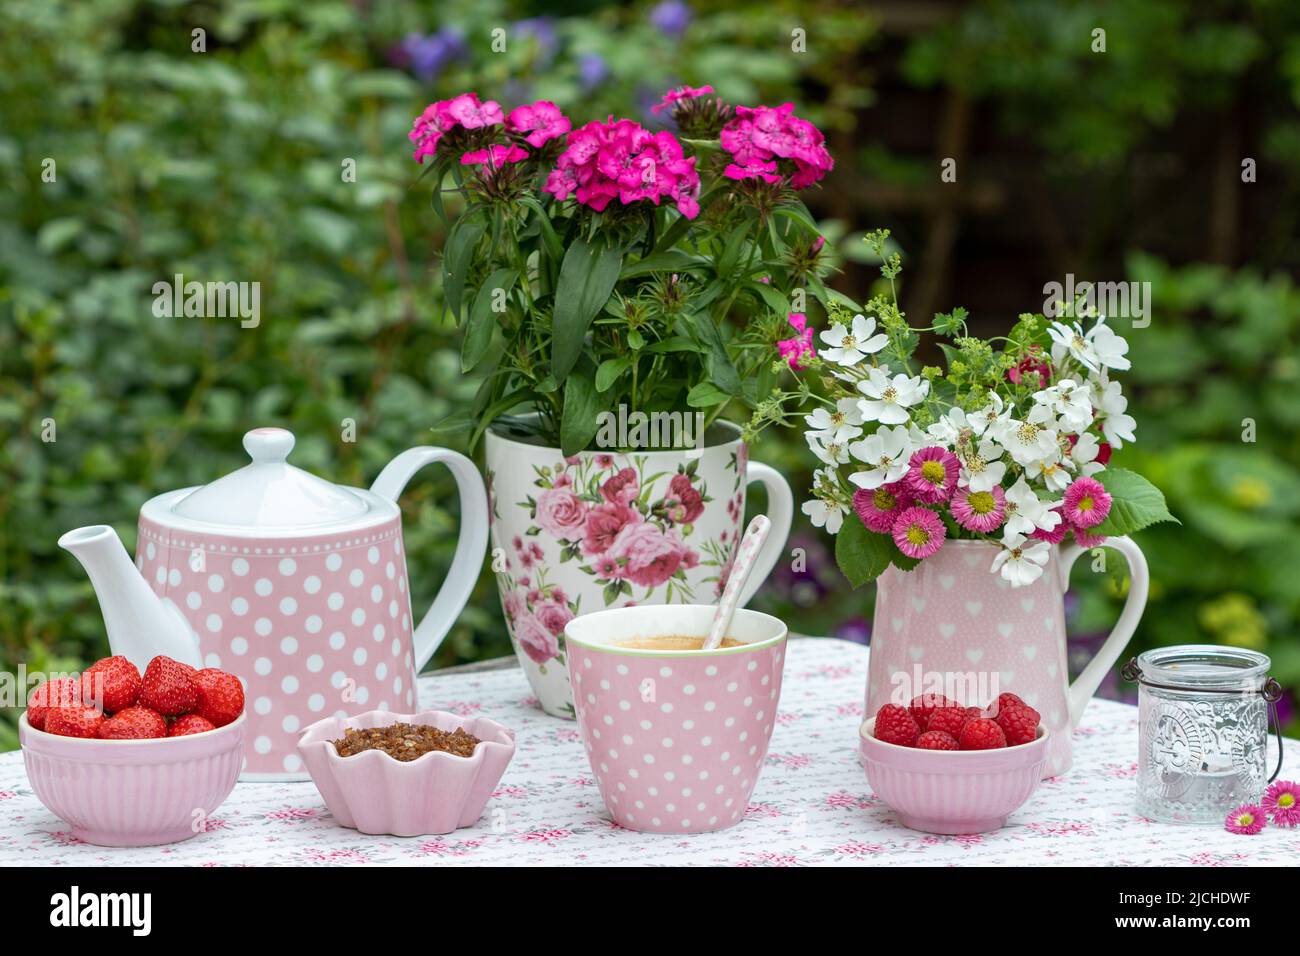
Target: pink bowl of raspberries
(131,759)
(947,768)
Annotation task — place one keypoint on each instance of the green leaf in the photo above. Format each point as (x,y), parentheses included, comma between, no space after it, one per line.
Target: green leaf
(1135,503)
(456,260)
(587,278)
(773,298)
(482,318)
(735,244)
(861,554)
(582,406)
(706,395)
(716,360)
(674,260)
(498,408)
(610,370)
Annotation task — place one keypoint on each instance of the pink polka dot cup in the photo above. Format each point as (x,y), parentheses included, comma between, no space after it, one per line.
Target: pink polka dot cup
(676,738)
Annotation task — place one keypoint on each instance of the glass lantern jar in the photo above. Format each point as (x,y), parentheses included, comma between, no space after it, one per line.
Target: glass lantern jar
(1203,737)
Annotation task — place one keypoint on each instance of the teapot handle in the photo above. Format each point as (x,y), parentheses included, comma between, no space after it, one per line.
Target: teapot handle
(1086,684)
(470,546)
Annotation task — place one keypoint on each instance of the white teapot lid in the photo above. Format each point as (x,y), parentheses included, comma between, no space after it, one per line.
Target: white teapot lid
(270,492)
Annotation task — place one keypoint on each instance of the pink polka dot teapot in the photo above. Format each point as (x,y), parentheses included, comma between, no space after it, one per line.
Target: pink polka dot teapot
(296,585)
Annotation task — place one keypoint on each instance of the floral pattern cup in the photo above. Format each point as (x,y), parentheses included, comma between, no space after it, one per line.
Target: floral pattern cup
(676,739)
(602,530)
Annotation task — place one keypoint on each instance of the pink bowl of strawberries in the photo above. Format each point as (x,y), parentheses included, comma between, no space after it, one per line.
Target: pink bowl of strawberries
(135,760)
(945,768)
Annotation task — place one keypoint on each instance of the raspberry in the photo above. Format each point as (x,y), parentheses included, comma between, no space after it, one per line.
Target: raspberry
(113,682)
(981,734)
(190,724)
(221,696)
(936,740)
(134,723)
(63,692)
(168,687)
(895,725)
(1019,721)
(75,721)
(923,705)
(948,720)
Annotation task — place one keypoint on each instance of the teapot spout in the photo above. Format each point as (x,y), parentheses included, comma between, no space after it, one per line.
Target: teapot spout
(140,624)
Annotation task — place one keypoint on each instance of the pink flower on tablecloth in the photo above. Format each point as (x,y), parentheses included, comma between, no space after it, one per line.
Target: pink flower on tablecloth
(7,794)
(604,523)
(549,836)
(843,800)
(791,761)
(1246,820)
(462,708)
(1282,803)
(535,638)
(294,814)
(515,792)
(648,555)
(440,847)
(761,810)
(855,848)
(554,616)
(561,514)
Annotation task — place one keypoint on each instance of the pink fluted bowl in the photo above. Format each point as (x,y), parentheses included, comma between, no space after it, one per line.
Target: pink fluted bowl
(952,791)
(133,792)
(435,793)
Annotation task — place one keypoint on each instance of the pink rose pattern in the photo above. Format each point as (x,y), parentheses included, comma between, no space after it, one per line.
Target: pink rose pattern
(629,532)
(818,812)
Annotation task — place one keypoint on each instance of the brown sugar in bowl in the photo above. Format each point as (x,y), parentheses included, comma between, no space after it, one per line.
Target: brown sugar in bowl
(436,792)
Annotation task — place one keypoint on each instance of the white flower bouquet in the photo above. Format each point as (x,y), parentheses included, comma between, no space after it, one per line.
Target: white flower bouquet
(1011,443)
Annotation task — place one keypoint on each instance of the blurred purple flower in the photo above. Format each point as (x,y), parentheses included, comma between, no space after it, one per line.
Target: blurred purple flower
(855,629)
(427,56)
(542,31)
(671,17)
(592,71)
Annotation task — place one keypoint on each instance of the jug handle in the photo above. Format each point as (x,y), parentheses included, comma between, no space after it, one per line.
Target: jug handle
(470,546)
(780,511)
(1086,684)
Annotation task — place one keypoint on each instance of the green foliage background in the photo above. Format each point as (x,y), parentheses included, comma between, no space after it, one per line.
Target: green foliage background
(226,165)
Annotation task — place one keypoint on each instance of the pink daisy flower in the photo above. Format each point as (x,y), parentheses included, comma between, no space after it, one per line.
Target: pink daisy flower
(1085,540)
(1086,502)
(932,474)
(1282,801)
(1056,535)
(878,508)
(918,532)
(981,511)
(1247,819)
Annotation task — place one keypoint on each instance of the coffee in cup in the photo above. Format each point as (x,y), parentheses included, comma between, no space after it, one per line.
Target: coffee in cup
(672,642)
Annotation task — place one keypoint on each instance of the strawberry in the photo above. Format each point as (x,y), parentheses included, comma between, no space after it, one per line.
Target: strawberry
(1019,721)
(168,687)
(190,724)
(896,725)
(221,696)
(75,721)
(948,720)
(62,692)
(981,734)
(134,723)
(936,740)
(113,682)
(923,705)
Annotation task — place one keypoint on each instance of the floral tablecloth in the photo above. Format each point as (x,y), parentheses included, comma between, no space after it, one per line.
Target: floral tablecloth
(812,805)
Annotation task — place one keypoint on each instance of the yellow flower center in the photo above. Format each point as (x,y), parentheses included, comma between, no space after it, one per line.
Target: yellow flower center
(889,394)
(934,472)
(917,535)
(883,500)
(1286,801)
(849,342)
(1027,433)
(981,502)
(1086,503)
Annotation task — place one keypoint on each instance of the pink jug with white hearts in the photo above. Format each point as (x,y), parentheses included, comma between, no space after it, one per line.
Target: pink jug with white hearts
(295,585)
(951,626)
